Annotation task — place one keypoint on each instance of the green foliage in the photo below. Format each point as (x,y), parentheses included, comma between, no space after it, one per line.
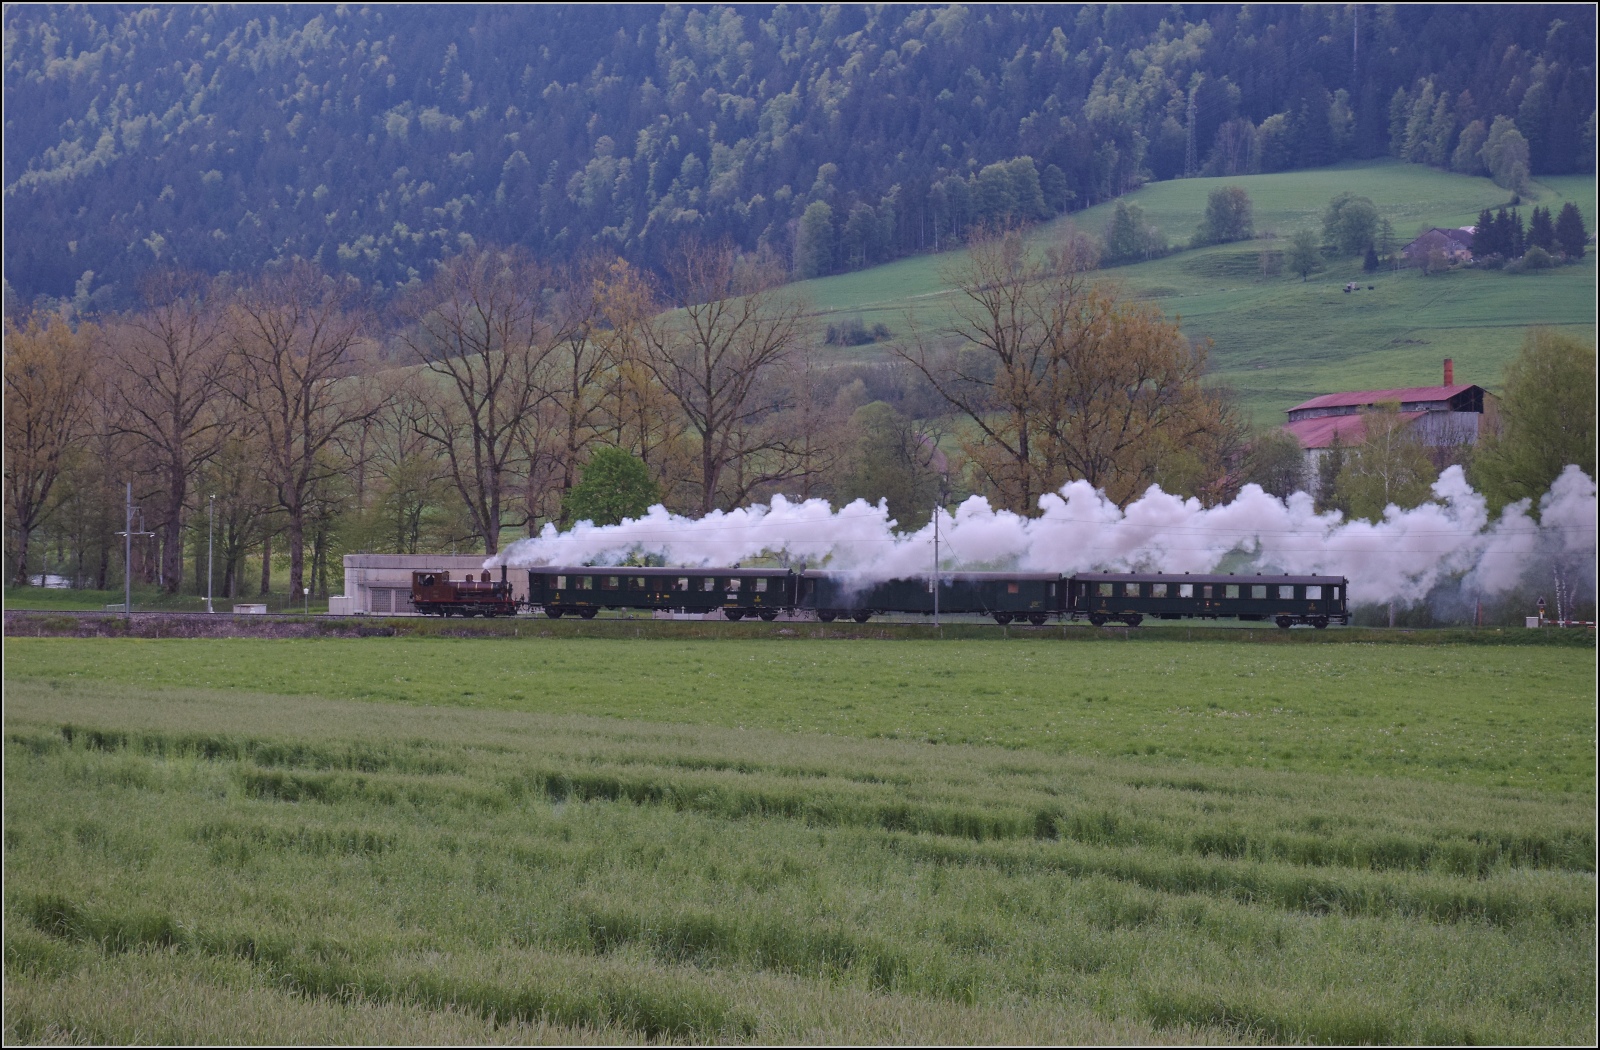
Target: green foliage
(888,459)
(615,484)
(1505,154)
(628,126)
(1228,217)
(1305,256)
(1130,237)
(1350,224)
(1389,468)
(1547,419)
(813,249)
(1276,462)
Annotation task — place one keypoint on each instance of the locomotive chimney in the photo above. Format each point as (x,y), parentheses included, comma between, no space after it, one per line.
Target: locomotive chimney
(1449,372)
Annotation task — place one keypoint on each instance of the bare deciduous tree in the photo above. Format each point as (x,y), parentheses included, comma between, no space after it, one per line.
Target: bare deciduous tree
(715,355)
(165,366)
(1009,318)
(481,328)
(46,374)
(295,336)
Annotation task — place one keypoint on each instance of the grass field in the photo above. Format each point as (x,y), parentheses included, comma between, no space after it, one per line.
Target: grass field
(1276,339)
(574,841)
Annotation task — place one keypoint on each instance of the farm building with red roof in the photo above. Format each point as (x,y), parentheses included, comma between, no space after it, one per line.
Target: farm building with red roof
(1443,417)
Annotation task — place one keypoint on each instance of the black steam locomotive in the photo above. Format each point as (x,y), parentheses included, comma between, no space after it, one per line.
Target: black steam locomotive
(1007,597)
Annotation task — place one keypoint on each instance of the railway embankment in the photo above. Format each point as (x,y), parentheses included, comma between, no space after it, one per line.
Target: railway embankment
(21,623)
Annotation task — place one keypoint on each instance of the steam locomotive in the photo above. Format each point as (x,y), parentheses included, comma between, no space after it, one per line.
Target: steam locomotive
(1037,597)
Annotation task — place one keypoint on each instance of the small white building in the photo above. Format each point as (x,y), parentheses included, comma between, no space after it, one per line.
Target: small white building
(380,584)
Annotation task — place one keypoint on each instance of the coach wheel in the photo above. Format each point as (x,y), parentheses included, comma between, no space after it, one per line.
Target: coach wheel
(734,614)
(1319,622)
(552,612)
(1002,618)
(587,614)
(862,617)
(769,614)
(1097,620)
(1133,619)
(826,615)
(1037,619)
(1285,621)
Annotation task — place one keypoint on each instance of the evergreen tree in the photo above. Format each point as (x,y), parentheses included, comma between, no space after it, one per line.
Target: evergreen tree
(1483,235)
(1541,230)
(1370,262)
(1569,231)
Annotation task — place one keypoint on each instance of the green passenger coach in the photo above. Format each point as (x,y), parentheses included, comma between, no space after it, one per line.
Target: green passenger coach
(585,590)
(1285,600)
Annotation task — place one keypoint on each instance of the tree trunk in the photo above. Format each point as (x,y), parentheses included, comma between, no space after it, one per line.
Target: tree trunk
(266,565)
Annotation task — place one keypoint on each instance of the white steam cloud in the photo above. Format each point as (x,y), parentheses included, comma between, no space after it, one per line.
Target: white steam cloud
(1398,559)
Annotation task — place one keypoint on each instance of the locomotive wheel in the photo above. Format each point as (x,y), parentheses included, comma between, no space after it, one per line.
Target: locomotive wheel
(826,615)
(769,614)
(1133,619)
(1037,619)
(1285,622)
(1002,618)
(552,612)
(1097,620)
(861,617)
(734,614)
(587,614)
(1319,622)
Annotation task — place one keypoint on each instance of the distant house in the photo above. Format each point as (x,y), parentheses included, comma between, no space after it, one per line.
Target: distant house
(1444,417)
(1454,244)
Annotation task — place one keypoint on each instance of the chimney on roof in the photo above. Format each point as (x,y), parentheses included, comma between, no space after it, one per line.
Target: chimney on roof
(1449,372)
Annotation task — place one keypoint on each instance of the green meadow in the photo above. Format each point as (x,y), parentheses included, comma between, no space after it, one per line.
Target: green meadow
(1278,340)
(589,840)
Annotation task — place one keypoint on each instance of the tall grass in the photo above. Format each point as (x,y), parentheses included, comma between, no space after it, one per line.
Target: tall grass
(349,870)
(1488,715)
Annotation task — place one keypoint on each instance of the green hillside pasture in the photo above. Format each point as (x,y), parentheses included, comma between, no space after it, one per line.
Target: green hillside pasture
(1278,340)
(188,862)
(1459,714)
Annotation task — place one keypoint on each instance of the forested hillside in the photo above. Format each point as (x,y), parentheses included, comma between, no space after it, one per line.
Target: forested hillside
(377,140)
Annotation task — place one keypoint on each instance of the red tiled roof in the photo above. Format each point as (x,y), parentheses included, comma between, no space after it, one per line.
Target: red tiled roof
(1373,397)
(1352,430)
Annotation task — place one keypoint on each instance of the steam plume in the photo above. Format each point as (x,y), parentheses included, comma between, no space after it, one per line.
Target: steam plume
(1399,558)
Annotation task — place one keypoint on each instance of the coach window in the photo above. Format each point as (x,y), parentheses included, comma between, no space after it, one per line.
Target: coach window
(558,582)
(1335,594)
(1286,592)
(1206,591)
(733,583)
(1313,593)
(1106,589)
(1158,590)
(711,583)
(1230,590)
(683,583)
(1011,588)
(1130,590)
(609,583)
(585,583)
(636,582)
(761,585)
(1258,590)
(1186,590)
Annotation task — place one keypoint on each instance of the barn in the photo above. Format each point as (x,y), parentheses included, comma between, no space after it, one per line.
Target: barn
(1443,417)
